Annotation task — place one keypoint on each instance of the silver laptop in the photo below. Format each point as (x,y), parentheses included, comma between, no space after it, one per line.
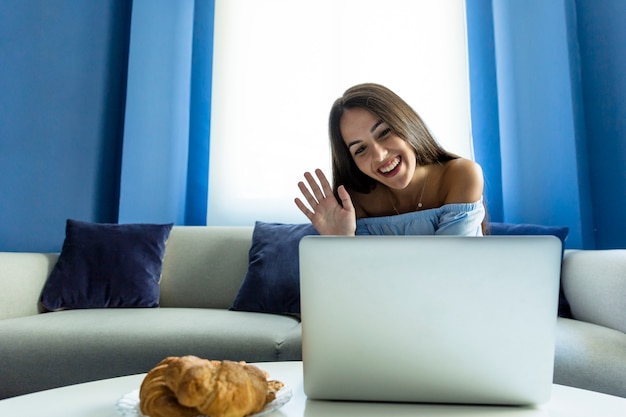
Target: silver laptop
(435,319)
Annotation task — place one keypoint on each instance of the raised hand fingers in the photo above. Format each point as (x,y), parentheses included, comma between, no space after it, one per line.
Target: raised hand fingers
(313,202)
(303,208)
(324,182)
(324,211)
(315,188)
(344,196)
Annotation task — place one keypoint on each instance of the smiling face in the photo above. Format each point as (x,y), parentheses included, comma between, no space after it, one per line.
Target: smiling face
(376,150)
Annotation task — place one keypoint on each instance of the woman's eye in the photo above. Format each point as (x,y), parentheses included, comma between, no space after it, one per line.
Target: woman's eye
(359,150)
(384,132)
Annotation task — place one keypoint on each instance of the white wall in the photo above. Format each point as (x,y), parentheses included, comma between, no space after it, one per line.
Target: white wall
(279,65)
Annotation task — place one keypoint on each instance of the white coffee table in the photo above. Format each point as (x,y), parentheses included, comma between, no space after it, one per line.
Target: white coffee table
(99,399)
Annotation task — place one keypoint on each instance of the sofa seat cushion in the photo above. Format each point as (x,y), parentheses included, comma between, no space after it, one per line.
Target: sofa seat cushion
(590,357)
(72,346)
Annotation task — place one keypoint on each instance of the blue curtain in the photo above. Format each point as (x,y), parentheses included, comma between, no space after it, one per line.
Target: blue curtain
(527,113)
(527,118)
(164,173)
(200,118)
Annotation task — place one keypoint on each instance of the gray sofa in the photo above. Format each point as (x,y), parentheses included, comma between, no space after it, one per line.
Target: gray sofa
(203,268)
(202,271)
(591,346)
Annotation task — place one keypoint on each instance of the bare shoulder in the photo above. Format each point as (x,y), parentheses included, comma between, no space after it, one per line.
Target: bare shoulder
(463,181)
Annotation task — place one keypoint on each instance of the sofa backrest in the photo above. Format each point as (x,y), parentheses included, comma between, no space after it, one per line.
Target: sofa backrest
(204,265)
(22,276)
(594,283)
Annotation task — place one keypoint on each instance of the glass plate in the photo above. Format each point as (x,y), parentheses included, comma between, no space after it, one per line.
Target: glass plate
(128,405)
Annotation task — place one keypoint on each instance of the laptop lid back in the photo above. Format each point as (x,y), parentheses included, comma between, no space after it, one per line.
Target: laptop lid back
(439,319)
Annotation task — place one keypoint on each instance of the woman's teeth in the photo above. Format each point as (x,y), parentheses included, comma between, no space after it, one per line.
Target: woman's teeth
(391,166)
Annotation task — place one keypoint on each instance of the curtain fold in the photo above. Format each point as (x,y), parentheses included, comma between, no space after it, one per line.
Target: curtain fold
(200,117)
(484,102)
(540,137)
(167,121)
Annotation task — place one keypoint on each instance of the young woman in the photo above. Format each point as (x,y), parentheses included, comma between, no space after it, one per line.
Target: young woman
(390,176)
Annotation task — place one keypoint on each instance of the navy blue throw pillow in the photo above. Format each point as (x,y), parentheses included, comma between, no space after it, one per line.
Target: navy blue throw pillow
(272,283)
(107,265)
(534,229)
(529,229)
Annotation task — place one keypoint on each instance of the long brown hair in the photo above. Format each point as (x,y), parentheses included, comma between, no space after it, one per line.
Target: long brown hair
(401,118)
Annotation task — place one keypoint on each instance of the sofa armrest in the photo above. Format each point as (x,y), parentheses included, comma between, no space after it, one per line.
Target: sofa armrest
(594,283)
(22,277)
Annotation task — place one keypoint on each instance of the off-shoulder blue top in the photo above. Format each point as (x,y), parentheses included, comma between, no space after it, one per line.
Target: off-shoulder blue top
(463,219)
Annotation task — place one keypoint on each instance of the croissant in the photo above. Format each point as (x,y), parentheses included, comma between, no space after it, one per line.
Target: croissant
(156,399)
(189,386)
(218,389)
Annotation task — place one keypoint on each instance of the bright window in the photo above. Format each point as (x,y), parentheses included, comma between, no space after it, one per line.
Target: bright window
(279,65)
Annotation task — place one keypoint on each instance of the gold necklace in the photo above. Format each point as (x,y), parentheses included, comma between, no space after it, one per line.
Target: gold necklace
(419,203)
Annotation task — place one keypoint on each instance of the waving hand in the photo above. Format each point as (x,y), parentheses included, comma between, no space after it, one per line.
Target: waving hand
(325,213)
